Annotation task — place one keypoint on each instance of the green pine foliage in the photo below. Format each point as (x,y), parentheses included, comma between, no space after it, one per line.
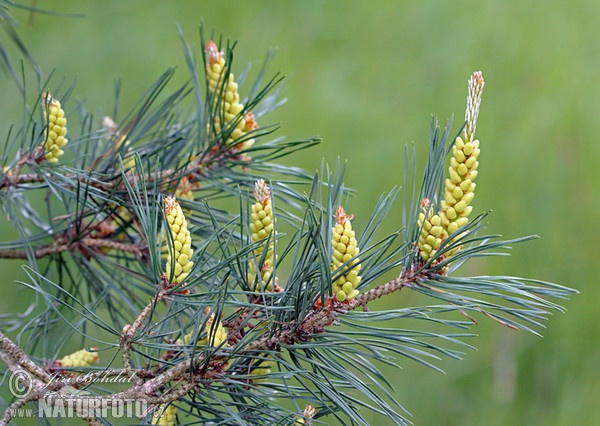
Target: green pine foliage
(92,240)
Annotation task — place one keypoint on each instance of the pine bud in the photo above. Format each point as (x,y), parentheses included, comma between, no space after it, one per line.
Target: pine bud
(181,250)
(215,65)
(261,227)
(345,249)
(165,415)
(56,128)
(476,84)
(120,140)
(81,358)
(307,415)
(185,191)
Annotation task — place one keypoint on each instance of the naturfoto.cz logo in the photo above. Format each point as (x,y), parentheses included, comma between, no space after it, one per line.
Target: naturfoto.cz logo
(91,407)
(78,403)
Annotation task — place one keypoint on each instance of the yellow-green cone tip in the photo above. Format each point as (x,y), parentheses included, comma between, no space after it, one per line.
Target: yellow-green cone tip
(460,185)
(261,226)
(212,335)
(432,233)
(228,100)
(181,250)
(56,128)
(345,249)
(165,415)
(261,367)
(215,65)
(81,358)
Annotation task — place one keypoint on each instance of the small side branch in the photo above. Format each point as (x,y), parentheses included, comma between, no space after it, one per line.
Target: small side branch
(79,245)
(130,330)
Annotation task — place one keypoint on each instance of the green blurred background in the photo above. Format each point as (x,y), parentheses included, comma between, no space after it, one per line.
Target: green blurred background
(366,77)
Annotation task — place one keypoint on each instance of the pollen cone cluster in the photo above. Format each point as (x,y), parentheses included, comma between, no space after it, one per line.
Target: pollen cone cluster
(432,233)
(81,358)
(56,129)
(261,228)
(460,185)
(261,367)
(227,99)
(211,335)
(345,249)
(179,254)
(165,415)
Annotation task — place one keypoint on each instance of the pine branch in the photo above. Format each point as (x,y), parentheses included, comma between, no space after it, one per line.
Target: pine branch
(149,385)
(84,245)
(145,258)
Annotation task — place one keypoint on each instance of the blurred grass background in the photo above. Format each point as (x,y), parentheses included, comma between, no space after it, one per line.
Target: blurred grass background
(367,77)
